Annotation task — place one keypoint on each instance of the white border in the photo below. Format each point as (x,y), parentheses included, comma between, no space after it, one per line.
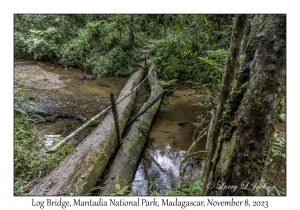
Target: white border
(8,8)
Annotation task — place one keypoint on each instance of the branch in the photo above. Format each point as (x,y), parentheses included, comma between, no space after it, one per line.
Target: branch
(187,157)
(200,136)
(182,172)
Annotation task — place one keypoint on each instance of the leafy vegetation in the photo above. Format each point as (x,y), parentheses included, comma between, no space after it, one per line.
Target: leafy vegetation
(276,164)
(90,42)
(188,53)
(30,162)
(121,191)
(191,48)
(94,43)
(193,188)
(117,62)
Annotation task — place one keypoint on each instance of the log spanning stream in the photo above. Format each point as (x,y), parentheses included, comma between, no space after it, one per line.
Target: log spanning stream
(61,93)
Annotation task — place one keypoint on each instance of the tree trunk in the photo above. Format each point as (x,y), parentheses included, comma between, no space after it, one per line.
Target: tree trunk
(81,169)
(248,120)
(123,168)
(237,38)
(131,26)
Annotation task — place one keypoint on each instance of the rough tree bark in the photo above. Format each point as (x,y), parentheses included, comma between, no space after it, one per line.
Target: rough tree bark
(247,122)
(237,38)
(123,168)
(131,27)
(82,168)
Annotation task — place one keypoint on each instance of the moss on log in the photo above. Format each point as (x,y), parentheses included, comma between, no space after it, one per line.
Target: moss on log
(124,165)
(80,171)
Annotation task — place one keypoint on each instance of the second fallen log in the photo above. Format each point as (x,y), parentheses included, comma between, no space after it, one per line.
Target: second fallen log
(123,168)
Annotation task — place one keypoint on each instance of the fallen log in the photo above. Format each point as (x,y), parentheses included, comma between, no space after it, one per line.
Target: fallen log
(80,170)
(123,168)
(37,113)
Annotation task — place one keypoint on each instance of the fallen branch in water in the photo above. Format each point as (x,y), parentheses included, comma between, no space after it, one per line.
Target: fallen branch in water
(187,157)
(188,154)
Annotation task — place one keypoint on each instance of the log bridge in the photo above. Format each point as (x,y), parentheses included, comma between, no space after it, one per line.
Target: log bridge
(81,169)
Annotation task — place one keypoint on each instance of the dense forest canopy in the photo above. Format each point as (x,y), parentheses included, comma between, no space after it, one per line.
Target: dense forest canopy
(190,46)
(194,48)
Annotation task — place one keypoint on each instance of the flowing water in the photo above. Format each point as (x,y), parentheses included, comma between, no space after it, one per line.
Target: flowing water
(170,137)
(59,91)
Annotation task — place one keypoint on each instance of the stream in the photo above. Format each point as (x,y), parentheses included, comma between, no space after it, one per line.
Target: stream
(59,91)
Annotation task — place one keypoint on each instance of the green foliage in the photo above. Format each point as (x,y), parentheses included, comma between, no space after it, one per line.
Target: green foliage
(41,36)
(172,65)
(42,45)
(66,150)
(176,58)
(119,23)
(171,62)
(29,159)
(118,62)
(81,41)
(78,41)
(278,152)
(279,147)
(20,101)
(93,189)
(79,189)
(209,93)
(69,24)
(139,39)
(74,51)
(167,84)
(121,190)
(38,45)
(20,49)
(194,188)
